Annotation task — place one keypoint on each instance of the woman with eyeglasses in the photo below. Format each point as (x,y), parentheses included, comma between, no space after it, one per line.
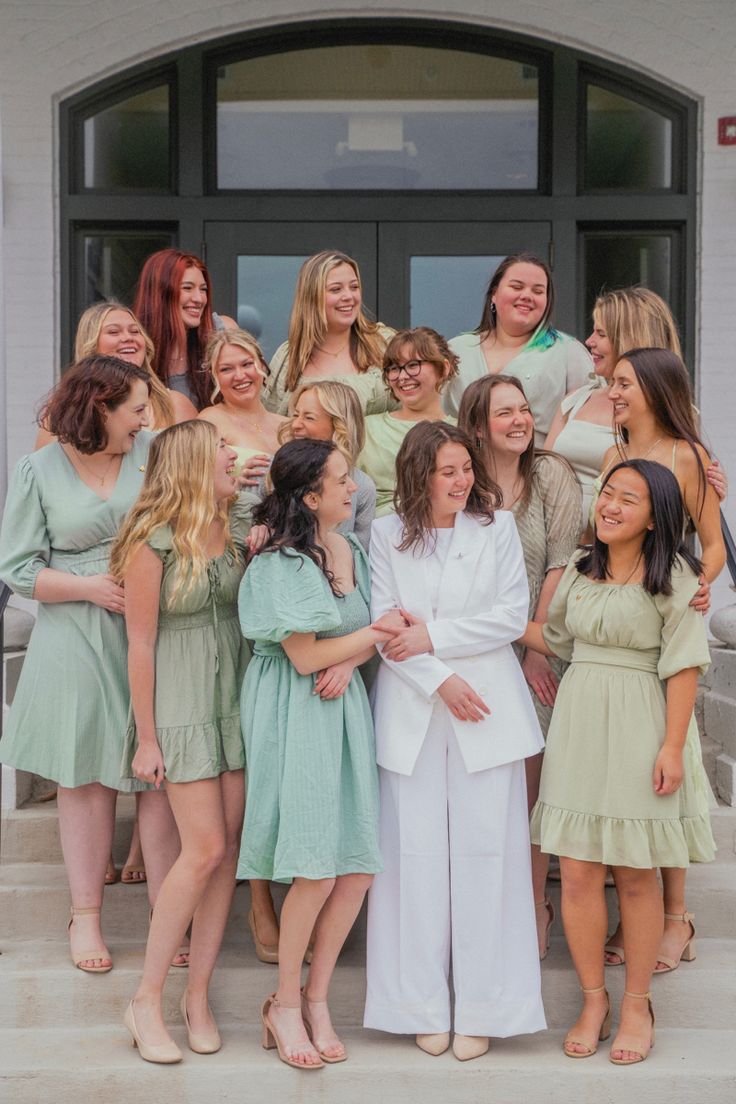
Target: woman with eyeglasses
(417,366)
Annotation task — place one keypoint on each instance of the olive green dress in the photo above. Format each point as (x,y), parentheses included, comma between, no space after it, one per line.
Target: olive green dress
(312,806)
(201,659)
(70,710)
(596,799)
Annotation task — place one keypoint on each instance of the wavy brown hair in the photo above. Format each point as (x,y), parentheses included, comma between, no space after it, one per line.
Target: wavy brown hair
(416,463)
(76,410)
(426,345)
(473,419)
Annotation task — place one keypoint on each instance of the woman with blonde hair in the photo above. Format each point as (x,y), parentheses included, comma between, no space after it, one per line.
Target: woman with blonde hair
(181,561)
(582,429)
(238,369)
(330,336)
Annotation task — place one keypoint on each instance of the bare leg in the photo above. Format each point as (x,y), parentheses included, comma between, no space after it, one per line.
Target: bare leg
(333,927)
(301,908)
(540,861)
(264,913)
(676,932)
(642,921)
(208,926)
(86,826)
(197,809)
(160,847)
(585,918)
(134,862)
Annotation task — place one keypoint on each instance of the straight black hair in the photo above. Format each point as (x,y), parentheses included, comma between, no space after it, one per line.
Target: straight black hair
(298,467)
(662,544)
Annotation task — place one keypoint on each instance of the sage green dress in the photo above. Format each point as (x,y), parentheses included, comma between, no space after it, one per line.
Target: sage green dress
(201,659)
(384,436)
(312,805)
(596,799)
(70,710)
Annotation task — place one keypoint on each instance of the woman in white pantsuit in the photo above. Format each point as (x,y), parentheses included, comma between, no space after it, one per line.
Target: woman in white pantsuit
(454,722)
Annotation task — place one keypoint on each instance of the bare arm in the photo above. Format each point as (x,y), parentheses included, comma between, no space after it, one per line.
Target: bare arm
(534,638)
(61,586)
(707,519)
(681,691)
(309,655)
(181,406)
(143,591)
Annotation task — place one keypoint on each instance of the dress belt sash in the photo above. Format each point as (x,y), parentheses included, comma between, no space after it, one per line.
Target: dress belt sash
(635,658)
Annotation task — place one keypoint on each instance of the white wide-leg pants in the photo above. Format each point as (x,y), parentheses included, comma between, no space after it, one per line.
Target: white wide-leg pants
(456,887)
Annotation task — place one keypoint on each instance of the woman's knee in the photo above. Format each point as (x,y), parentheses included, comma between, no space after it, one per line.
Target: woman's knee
(581,879)
(204,855)
(632,883)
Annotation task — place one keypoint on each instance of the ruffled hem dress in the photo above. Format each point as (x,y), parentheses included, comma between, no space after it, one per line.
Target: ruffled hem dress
(312,801)
(70,711)
(201,659)
(596,799)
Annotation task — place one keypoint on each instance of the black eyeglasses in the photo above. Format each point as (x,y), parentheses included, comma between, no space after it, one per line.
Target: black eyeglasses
(412,369)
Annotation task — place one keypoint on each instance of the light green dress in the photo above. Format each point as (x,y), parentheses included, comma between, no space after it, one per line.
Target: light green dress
(596,800)
(312,805)
(384,435)
(201,659)
(70,710)
(546,375)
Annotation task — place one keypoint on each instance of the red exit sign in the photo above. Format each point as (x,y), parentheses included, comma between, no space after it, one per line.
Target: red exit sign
(727,130)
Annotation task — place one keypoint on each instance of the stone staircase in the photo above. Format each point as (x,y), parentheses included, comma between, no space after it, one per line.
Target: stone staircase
(62,1041)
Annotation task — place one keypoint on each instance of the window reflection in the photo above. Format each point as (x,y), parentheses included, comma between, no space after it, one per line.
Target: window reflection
(628,145)
(126,146)
(377,116)
(113,261)
(624,260)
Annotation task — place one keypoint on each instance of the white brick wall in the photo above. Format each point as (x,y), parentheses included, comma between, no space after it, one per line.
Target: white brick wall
(50,48)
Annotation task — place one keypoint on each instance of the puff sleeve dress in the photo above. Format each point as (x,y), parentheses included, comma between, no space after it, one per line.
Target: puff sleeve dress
(70,711)
(312,804)
(596,800)
(201,659)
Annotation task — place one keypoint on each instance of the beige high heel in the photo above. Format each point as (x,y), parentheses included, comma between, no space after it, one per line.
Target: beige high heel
(165,1054)
(200,1043)
(467,1047)
(265,952)
(270,1038)
(687,954)
(87,956)
(320,1048)
(604,1032)
(434,1044)
(642,1054)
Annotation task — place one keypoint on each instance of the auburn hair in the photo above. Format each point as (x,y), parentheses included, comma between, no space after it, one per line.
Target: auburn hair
(75,410)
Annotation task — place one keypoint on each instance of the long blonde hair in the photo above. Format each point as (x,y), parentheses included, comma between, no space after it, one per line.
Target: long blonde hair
(217,342)
(177,491)
(308,322)
(342,405)
(89,329)
(637,318)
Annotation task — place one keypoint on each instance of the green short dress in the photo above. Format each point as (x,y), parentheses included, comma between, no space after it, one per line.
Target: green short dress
(70,711)
(596,800)
(312,803)
(201,659)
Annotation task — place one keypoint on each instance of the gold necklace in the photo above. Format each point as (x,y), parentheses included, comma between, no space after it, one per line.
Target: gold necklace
(327,352)
(631,573)
(100,478)
(647,453)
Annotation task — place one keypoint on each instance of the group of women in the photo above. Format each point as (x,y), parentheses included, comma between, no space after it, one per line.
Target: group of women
(216,595)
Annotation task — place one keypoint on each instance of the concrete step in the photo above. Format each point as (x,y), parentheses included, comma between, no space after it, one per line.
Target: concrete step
(41,988)
(70,1064)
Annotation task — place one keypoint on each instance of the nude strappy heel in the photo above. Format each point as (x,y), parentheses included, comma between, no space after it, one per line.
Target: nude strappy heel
(641,1053)
(687,954)
(88,956)
(603,1033)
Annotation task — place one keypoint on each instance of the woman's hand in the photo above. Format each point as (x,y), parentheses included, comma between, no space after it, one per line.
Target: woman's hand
(257,537)
(392,621)
(540,677)
(701,599)
(333,681)
(148,763)
(462,700)
(412,641)
(667,776)
(253,469)
(104,591)
(718,479)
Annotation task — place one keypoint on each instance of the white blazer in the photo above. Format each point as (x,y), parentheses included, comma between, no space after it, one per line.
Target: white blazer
(483,606)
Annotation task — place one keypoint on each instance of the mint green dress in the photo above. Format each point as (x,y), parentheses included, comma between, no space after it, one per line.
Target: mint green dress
(596,800)
(384,436)
(70,711)
(201,659)
(312,803)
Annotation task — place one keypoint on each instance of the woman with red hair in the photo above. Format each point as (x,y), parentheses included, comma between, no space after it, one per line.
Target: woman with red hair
(173,302)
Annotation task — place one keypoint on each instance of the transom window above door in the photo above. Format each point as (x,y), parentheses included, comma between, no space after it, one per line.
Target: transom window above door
(377,116)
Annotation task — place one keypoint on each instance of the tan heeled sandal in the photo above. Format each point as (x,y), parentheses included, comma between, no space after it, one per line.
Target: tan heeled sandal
(332,1059)
(603,1033)
(88,956)
(271,1039)
(687,954)
(638,1050)
(549,908)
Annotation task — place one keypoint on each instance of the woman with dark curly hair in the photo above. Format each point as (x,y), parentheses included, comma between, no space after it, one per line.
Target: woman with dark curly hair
(69,717)
(454,723)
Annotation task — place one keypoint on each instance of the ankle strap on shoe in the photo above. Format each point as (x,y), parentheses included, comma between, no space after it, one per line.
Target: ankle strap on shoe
(639,996)
(86,911)
(600,989)
(686,917)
